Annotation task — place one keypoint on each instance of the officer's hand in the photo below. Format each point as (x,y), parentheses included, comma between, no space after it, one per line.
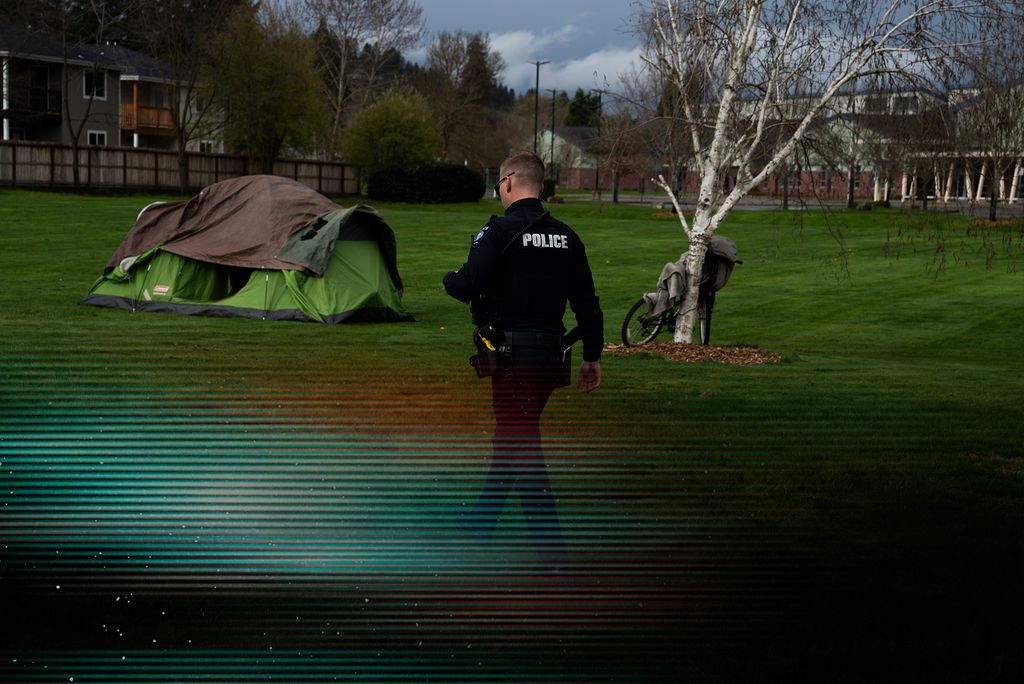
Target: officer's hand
(590,375)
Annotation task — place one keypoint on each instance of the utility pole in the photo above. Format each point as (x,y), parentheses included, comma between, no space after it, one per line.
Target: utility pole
(551,153)
(536,102)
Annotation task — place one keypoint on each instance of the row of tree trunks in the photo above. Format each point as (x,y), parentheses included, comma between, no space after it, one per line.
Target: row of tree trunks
(973,191)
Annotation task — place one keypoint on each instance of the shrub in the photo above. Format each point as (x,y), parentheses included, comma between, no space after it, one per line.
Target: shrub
(433,183)
(396,131)
(867,206)
(883,204)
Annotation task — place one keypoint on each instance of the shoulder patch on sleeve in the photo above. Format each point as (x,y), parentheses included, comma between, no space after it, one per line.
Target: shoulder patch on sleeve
(480,235)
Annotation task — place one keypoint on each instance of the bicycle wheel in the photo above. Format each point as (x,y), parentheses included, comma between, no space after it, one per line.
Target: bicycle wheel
(704,308)
(639,327)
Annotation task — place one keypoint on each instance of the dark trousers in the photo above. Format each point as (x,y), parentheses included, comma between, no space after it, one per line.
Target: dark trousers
(518,398)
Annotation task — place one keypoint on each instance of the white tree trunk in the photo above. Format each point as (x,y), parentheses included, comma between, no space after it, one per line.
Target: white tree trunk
(1015,182)
(712,55)
(687,317)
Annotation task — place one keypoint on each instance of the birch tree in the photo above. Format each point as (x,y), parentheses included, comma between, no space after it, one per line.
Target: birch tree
(751,60)
(992,120)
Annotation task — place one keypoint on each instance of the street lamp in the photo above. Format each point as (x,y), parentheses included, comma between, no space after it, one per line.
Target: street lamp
(536,102)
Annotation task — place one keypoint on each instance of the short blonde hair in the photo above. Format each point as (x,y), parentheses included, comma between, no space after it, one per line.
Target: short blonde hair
(529,170)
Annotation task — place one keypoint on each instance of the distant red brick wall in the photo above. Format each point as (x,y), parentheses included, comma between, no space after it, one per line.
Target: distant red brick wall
(824,184)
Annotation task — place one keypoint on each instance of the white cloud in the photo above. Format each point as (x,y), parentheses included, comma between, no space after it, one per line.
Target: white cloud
(521,48)
(564,71)
(523,45)
(596,70)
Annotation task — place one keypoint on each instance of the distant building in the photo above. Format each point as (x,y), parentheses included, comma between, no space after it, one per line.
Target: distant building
(573,156)
(122,96)
(39,82)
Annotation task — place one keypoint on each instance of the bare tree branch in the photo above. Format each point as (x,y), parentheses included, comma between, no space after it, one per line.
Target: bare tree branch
(745,69)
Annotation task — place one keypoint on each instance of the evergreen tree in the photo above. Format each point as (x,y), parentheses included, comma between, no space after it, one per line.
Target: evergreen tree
(584,110)
(479,82)
(461,85)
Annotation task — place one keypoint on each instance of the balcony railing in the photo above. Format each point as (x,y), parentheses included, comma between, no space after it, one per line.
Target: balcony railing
(134,118)
(34,101)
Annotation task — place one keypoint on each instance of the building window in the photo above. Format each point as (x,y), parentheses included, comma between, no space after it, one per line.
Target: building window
(97,137)
(95,85)
(877,104)
(206,146)
(905,104)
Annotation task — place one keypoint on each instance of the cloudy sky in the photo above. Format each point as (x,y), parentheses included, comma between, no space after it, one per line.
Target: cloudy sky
(587,41)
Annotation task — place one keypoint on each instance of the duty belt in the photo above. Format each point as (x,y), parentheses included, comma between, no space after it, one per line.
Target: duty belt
(516,338)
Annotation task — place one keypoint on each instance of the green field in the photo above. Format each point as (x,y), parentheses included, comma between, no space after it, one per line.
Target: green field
(853,513)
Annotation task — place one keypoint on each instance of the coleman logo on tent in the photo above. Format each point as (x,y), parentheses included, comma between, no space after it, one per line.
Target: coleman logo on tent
(549,241)
(160,290)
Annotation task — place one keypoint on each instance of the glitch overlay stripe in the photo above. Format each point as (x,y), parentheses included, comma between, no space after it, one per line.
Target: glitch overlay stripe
(313,528)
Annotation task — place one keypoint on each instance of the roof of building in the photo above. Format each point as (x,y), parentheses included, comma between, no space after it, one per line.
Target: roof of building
(582,137)
(21,41)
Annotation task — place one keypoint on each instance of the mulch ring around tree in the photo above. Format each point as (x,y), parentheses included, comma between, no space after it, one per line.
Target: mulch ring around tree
(697,353)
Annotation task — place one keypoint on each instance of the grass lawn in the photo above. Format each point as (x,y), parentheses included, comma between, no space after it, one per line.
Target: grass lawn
(853,513)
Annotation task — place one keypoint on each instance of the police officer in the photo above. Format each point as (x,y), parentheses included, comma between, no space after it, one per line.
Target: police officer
(522,269)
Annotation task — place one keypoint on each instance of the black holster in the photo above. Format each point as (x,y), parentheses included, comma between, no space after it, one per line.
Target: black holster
(492,354)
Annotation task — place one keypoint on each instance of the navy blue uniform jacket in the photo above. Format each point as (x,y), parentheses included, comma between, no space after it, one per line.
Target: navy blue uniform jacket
(523,281)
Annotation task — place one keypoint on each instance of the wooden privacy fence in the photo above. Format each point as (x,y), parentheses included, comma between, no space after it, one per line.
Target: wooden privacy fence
(48,165)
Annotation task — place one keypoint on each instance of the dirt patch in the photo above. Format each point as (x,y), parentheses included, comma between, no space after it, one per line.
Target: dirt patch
(998,223)
(698,353)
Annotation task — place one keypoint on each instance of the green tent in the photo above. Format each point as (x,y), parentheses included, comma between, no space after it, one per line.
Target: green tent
(257,247)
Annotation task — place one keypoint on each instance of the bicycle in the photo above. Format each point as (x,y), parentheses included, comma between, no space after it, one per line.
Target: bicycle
(642,324)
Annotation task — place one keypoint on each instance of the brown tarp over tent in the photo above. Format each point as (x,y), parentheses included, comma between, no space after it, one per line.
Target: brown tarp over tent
(238,222)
